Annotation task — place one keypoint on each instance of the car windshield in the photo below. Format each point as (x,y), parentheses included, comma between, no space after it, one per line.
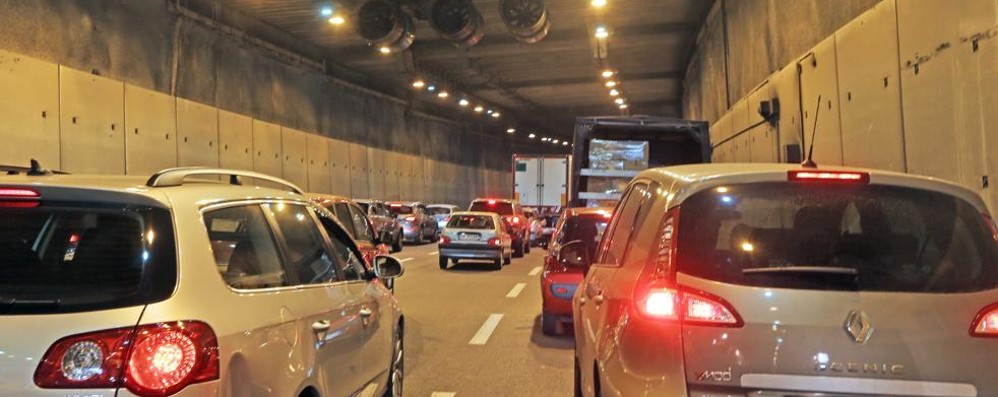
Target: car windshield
(365,206)
(807,236)
(398,209)
(71,258)
(498,207)
(471,222)
(438,210)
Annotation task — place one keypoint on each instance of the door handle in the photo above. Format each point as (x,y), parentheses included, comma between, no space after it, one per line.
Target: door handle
(321,326)
(365,312)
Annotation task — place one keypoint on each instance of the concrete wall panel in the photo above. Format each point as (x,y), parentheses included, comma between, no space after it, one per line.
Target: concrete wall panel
(719,130)
(197,134)
(92,118)
(819,79)
(294,155)
(786,88)
(31,117)
(359,171)
(378,175)
(393,183)
(949,96)
(317,153)
(870,90)
(235,141)
(762,138)
(340,169)
(267,144)
(150,131)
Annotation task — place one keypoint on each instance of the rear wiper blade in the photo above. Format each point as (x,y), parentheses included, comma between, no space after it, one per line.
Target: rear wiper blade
(13,302)
(848,271)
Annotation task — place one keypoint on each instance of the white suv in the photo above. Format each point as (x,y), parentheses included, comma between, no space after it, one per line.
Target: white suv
(175,287)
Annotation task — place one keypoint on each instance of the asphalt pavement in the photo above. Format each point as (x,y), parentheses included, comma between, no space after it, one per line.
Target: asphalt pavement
(475,331)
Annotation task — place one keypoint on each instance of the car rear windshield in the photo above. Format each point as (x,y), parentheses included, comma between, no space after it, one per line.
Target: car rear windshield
(471,222)
(499,207)
(400,209)
(438,210)
(862,238)
(65,258)
(586,228)
(364,206)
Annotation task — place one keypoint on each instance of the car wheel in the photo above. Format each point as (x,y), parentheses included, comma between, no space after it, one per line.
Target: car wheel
(526,247)
(517,249)
(443,262)
(507,259)
(397,370)
(549,324)
(397,243)
(578,380)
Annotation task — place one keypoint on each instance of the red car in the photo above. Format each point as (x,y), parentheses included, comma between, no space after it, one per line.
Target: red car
(355,222)
(560,279)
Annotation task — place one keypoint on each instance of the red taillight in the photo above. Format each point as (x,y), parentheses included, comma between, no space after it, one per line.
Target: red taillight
(492,202)
(444,240)
(991,224)
(986,323)
(149,360)
(494,241)
(829,177)
(19,198)
(689,306)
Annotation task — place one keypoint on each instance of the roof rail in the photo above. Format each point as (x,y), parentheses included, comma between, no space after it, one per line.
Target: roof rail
(34,170)
(175,177)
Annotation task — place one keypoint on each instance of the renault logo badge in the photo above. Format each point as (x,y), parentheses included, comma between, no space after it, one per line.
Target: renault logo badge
(858,326)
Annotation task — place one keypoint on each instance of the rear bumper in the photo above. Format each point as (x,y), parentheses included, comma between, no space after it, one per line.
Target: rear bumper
(557,298)
(465,252)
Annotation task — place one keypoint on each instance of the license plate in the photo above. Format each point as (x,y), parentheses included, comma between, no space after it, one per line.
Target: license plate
(467,237)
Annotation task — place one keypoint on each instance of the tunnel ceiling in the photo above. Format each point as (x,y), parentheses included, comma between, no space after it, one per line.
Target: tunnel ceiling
(540,85)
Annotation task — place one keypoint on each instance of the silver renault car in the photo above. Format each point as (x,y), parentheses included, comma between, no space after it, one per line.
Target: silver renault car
(780,280)
(180,286)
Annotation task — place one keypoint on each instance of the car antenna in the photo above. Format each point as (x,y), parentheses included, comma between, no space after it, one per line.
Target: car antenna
(809,161)
(36,169)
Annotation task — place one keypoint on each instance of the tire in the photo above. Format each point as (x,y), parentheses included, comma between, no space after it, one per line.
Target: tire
(397,243)
(518,249)
(396,371)
(549,324)
(578,380)
(526,247)
(443,262)
(497,264)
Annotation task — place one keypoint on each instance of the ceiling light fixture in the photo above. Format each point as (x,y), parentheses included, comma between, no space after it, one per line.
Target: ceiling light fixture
(602,33)
(619,101)
(598,3)
(326,11)
(443,94)
(623,106)
(337,20)
(463,102)
(556,141)
(431,88)
(532,136)
(510,130)
(611,84)
(479,109)
(495,115)
(565,143)
(614,92)
(608,73)
(488,111)
(418,84)
(385,50)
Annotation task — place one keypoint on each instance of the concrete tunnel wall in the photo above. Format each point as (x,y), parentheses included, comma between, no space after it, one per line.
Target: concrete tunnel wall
(905,85)
(178,74)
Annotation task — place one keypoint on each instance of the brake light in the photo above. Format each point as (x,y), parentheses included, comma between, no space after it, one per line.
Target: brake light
(444,240)
(986,323)
(689,307)
(395,205)
(149,360)
(492,202)
(515,220)
(991,224)
(19,198)
(829,177)
(494,241)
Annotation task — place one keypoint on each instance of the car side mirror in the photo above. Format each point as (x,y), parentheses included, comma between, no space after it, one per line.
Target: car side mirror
(387,267)
(574,254)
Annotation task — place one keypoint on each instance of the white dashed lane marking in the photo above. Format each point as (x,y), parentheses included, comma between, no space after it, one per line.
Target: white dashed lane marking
(443,394)
(486,330)
(435,253)
(513,293)
(406,259)
(535,271)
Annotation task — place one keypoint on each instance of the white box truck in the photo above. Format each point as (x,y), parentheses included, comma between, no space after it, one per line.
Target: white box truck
(541,181)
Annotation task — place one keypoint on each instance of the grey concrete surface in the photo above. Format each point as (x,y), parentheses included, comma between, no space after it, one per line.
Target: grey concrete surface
(445,308)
